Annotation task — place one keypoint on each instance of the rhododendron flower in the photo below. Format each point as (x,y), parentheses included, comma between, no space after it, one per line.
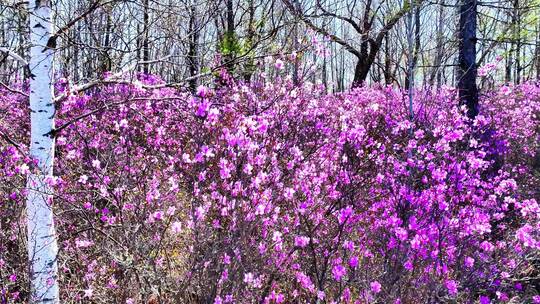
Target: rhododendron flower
(226,259)
(202,108)
(158,215)
(487,246)
(338,271)
(123,123)
(24,169)
(505,90)
(224,275)
(502,296)
(304,281)
(301,241)
(83,243)
(401,234)
(524,235)
(487,69)
(88,293)
(96,163)
(186,158)
(248,277)
(469,262)
(451,285)
(408,265)
(202,91)
(289,193)
(279,64)
(176,227)
(83,179)
(375,287)
(484,300)
(353,261)
(344,214)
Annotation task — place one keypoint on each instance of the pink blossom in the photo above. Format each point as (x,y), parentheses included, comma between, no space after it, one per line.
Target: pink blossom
(338,271)
(451,286)
(301,241)
(279,64)
(375,287)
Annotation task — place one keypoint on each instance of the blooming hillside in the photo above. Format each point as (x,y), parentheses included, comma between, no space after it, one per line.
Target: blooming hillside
(271,193)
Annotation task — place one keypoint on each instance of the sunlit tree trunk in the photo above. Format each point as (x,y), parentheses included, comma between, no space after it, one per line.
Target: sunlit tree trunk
(250,64)
(438,69)
(42,246)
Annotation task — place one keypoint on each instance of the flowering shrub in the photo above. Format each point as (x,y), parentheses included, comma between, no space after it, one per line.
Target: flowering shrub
(276,194)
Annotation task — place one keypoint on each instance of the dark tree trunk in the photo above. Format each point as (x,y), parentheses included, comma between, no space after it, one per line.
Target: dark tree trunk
(106,62)
(192,59)
(145,43)
(231,37)
(360,73)
(468,91)
(387,63)
(508,67)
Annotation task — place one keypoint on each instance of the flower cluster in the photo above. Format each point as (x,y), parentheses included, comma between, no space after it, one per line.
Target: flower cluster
(274,193)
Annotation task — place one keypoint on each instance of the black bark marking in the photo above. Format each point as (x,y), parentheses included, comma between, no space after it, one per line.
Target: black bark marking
(51,43)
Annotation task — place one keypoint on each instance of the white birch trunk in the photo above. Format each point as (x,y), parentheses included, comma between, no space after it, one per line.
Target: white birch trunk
(42,246)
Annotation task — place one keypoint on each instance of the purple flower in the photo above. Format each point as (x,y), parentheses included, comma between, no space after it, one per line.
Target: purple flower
(202,91)
(344,214)
(301,241)
(375,287)
(451,286)
(484,300)
(338,271)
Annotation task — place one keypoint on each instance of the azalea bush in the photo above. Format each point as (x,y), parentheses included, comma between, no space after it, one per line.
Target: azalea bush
(274,193)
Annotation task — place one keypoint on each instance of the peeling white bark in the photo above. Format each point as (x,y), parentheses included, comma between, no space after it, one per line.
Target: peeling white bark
(42,245)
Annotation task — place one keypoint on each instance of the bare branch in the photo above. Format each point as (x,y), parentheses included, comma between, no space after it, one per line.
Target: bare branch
(13,55)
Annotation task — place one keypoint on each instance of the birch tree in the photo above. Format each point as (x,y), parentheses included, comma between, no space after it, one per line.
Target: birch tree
(42,245)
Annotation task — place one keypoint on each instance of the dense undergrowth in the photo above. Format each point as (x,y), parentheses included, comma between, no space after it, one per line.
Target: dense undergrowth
(270,193)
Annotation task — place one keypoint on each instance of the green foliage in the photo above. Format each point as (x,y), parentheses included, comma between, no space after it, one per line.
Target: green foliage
(205,69)
(230,44)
